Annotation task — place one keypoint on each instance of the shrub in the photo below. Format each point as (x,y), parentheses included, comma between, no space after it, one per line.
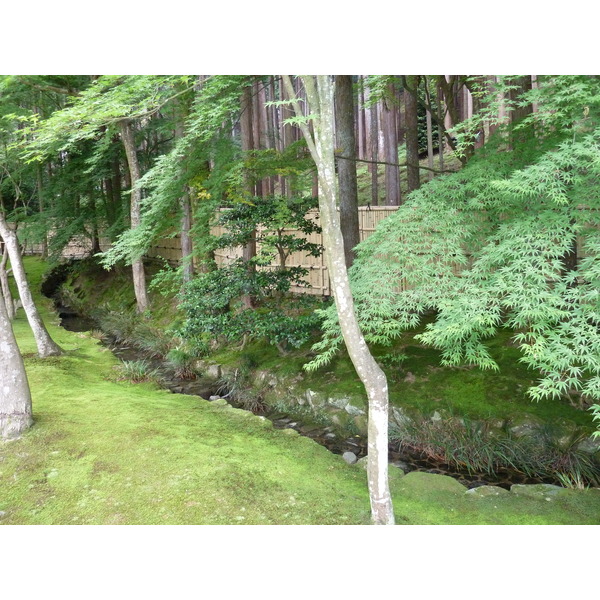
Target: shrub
(137,371)
(182,363)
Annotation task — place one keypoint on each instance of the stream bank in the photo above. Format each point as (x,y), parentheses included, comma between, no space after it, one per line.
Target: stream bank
(336,421)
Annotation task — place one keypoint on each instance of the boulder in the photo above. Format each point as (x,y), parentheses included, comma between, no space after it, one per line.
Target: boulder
(485,491)
(420,481)
(350,457)
(524,425)
(538,490)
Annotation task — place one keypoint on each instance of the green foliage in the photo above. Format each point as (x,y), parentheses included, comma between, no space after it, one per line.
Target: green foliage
(182,363)
(212,300)
(212,305)
(488,247)
(137,371)
(474,448)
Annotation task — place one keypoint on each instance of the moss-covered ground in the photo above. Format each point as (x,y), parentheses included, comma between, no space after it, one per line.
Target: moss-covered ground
(104,452)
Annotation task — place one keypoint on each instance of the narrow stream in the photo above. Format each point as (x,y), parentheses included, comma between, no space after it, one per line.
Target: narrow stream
(325,436)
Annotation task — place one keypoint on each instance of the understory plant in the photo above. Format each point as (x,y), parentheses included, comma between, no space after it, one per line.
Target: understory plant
(137,371)
(473,447)
(182,363)
(237,385)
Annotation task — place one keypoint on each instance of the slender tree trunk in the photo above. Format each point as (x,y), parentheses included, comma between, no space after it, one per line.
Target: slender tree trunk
(4,287)
(412,132)
(15,397)
(429,132)
(374,147)
(45,344)
(246,121)
(41,207)
(187,248)
(344,123)
(321,147)
(392,173)
(440,114)
(137,266)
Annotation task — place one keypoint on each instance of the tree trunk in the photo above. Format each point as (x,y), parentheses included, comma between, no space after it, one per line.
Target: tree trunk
(4,287)
(344,123)
(412,132)
(392,173)
(374,147)
(246,122)
(137,266)
(15,397)
(41,207)
(45,344)
(187,249)
(322,149)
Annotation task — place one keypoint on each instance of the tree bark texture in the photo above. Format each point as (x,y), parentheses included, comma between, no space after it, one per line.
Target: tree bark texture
(392,173)
(348,186)
(4,287)
(137,266)
(247,137)
(45,344)
(187,248)
(412,135)
(321,100)
(15,397)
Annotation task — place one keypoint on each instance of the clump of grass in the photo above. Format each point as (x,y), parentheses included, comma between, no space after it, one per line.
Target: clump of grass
(238,387)
(182,363)
(97,334)
(470,446)
(154,342)
(137,371)
(120,325)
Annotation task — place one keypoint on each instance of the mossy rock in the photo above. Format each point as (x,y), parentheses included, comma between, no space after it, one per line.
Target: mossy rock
(539,490)
(221,402)
(487,491)
(421,482)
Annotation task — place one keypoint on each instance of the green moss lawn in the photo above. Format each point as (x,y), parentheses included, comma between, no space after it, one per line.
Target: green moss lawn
(108,452)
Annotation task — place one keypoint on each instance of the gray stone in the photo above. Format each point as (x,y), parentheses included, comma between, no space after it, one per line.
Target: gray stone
(590,445)
(350,457)
(525,425)
(484,491)
(220,402)
(2,513)
(213,371)
(314,399)
(537,490)
(399,418)
(213,398)
(361,424)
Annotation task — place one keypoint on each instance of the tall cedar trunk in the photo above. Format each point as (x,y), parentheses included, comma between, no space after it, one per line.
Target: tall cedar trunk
(40,186)
(429,131)
(392,173)
(187,249)
(322,150)
(412,132)
(344,124)
(137,266)
(95,235)
(374,147)
(45,344)
(249,250)
(440,115)
(15,397)
(4,287)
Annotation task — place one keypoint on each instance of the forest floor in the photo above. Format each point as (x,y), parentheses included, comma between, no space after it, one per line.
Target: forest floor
(103,451)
